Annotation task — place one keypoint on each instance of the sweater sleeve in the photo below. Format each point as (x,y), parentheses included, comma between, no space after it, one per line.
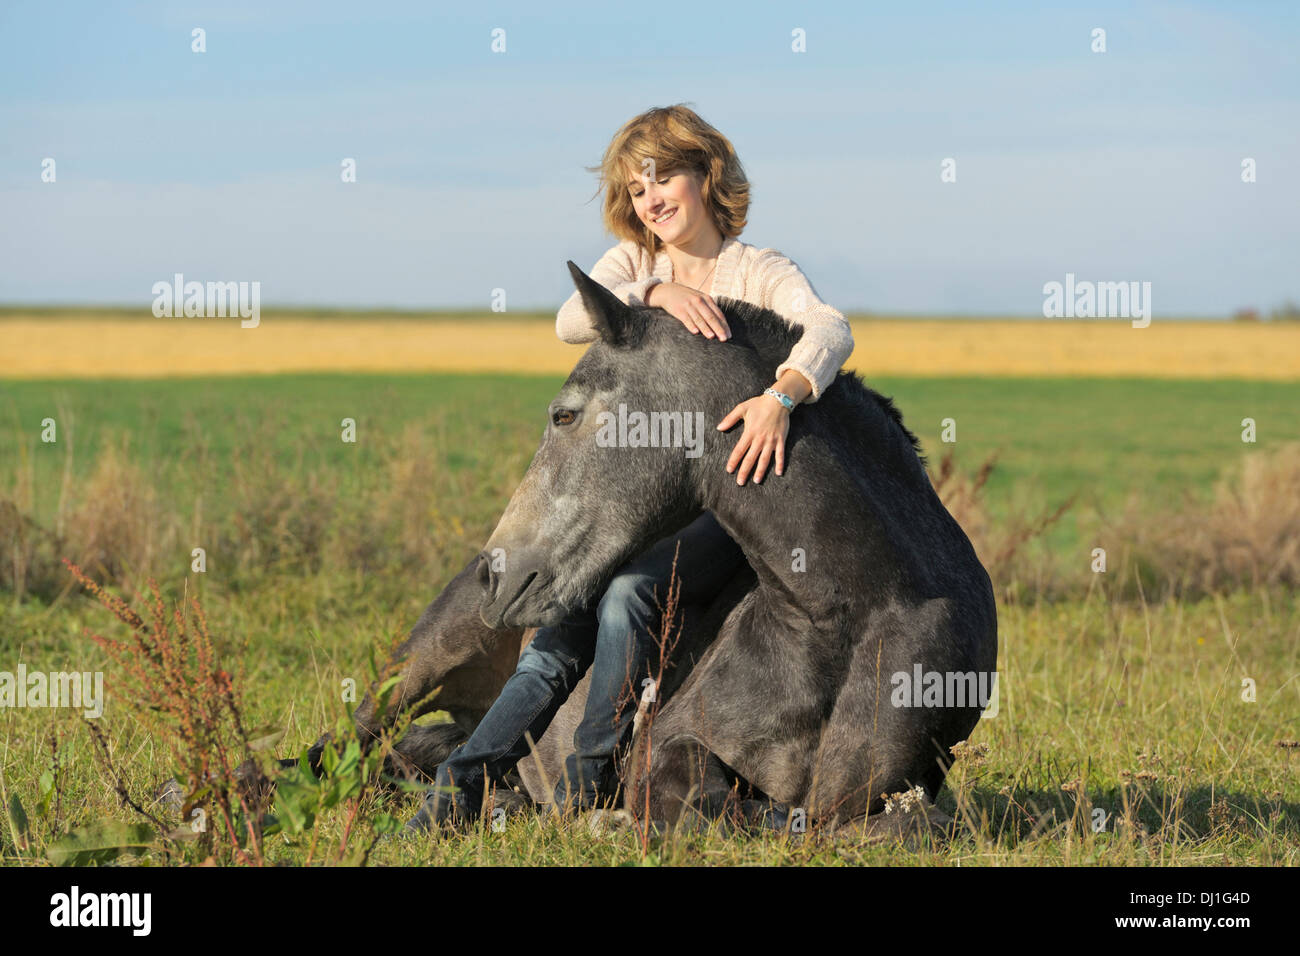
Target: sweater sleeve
(617,272)
(827,340)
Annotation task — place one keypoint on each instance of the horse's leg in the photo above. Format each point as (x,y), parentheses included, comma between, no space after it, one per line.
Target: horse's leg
(419,751)
(825,767)
(677,780)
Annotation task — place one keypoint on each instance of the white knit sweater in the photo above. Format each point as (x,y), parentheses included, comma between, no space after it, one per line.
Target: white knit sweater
(760,276)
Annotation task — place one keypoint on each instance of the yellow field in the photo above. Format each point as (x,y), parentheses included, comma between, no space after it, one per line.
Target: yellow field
(36,346)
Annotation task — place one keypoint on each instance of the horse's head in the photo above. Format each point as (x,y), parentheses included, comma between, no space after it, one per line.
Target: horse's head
(620,460)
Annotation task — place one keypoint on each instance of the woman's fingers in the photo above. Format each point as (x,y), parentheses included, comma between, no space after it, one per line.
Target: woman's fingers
(721,323)
(706,316)
(711,315)
(747,465)
(704,312)
(742,444)
(697,311)
(704,319)
(737,454)
(757,449)
(733,416)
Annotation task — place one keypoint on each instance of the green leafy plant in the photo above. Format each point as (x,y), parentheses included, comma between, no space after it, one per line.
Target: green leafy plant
(349,779)
(100,843)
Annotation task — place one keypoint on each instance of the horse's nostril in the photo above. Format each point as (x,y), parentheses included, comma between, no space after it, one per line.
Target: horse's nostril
(484,571)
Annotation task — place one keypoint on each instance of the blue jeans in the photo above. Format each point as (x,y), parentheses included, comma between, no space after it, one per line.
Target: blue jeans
(617,639)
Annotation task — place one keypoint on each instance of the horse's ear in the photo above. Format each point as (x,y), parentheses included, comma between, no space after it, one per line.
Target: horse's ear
(608,314)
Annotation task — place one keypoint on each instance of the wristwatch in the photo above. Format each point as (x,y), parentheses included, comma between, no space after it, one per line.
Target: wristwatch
(781,397)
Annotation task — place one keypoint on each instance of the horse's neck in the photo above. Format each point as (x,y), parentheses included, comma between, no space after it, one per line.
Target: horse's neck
(814,544)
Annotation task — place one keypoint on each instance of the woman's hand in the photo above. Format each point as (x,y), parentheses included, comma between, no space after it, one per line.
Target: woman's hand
(766,424)
(691,307)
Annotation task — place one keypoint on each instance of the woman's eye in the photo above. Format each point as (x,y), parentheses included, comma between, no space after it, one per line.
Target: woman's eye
(662,182)
(563,416)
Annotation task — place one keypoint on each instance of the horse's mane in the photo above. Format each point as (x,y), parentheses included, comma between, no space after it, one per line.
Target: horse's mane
(773,337)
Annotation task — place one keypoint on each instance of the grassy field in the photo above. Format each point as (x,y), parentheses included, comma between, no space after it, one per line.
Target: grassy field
(1102,440)
(1123,701)
(1137,709)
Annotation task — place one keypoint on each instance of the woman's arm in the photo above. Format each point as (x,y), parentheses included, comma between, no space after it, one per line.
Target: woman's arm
(616,271)
(827,341)
(813,364)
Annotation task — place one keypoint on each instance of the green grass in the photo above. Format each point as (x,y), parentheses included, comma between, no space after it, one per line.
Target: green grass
(1093,686)
(1090,692)
(1100,439)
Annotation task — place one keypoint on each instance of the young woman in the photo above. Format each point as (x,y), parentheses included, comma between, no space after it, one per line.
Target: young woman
(677,197)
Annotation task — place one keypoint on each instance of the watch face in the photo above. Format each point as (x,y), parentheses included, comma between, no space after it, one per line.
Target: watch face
(784,399)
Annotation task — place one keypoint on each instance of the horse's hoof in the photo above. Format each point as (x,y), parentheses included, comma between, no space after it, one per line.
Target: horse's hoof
(422,824)
(441,812)
(418,825)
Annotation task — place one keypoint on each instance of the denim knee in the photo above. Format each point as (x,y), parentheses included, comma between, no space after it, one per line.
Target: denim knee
(629,602)
(553,667)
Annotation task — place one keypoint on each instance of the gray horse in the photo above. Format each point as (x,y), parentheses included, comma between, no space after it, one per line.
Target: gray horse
(838,667)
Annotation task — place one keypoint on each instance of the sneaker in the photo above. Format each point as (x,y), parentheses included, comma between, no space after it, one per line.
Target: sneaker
(441,810)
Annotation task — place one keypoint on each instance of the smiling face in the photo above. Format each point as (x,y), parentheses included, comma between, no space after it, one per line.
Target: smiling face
(671,205)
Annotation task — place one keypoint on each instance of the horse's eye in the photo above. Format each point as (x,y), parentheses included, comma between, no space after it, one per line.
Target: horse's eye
(563,416)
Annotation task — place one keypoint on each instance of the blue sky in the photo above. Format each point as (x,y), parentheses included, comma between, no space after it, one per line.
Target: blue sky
(225,165)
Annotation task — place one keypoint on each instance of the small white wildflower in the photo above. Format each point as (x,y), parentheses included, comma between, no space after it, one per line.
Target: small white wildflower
(905,802)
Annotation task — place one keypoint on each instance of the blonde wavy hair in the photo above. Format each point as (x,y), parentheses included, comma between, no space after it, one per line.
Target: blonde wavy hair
(677,140)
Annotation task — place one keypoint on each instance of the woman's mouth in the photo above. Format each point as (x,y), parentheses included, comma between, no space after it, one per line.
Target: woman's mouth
(665,217)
